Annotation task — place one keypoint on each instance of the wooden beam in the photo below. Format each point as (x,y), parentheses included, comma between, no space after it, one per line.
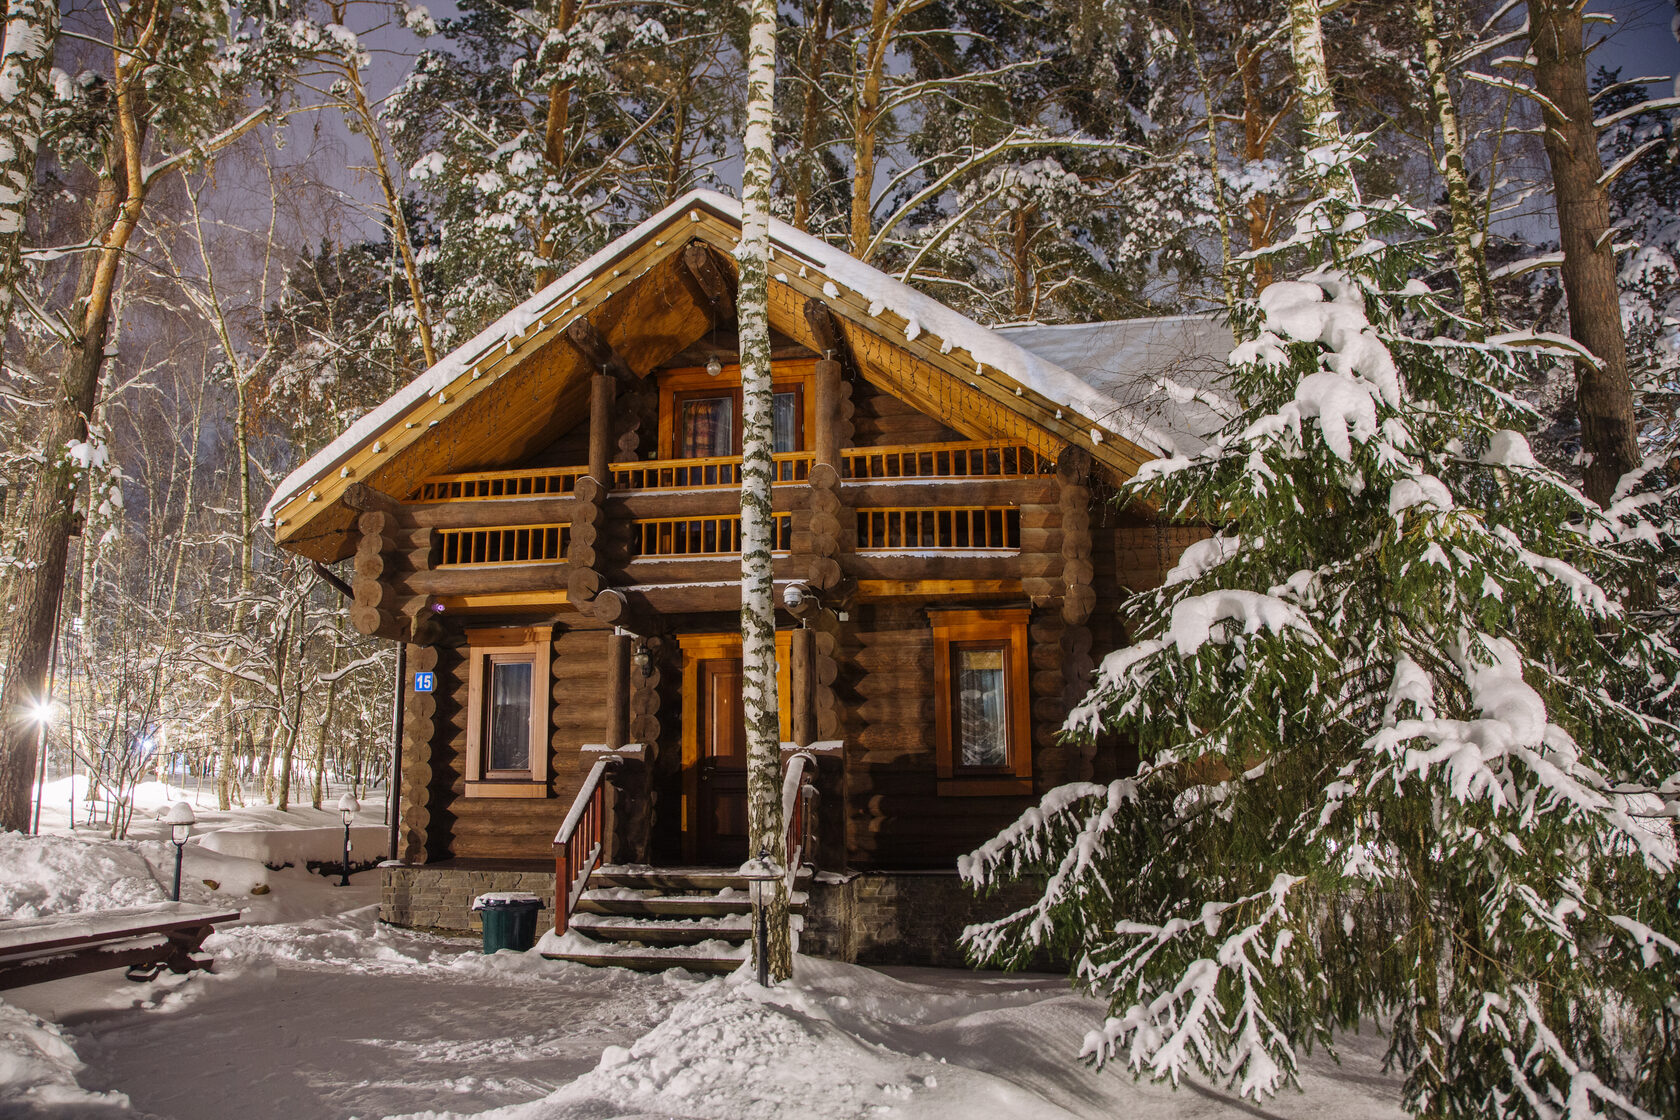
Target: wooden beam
(937,588)
(361,496)
(482,579)
(603,388)
(697,258)
(829,338)
(595,349)
(479,514)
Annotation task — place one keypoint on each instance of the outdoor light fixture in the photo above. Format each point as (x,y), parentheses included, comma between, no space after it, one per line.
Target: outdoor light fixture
(348,806)
(41,712)
(714,366)
(642,660)
(759,872)
(180,820)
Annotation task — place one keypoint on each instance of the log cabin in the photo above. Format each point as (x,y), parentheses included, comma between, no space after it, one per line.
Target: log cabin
(546,523)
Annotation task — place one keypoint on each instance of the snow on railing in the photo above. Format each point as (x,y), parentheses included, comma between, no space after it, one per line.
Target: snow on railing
(798,791)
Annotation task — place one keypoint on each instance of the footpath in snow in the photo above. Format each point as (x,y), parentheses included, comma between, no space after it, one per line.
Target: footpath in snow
(315,1010)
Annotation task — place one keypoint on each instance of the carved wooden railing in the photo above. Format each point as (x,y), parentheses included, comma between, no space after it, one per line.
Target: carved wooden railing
(966,528)
(695,474)
(701,536)
(798,794)
(581,842)
(974,459)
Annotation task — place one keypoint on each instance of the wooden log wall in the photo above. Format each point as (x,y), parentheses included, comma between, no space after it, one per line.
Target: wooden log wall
(831,523)
(1079,599)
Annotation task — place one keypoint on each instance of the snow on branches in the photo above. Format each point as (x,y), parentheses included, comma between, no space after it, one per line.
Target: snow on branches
(1406,755)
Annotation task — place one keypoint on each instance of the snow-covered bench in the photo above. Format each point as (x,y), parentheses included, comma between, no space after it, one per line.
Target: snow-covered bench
(143,939)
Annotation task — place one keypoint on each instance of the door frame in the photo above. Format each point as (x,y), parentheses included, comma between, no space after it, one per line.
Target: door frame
(704,647)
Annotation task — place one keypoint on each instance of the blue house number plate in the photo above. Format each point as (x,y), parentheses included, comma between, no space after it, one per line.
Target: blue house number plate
(425,682)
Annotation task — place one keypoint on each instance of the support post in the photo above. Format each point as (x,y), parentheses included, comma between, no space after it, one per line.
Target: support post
(618,691)
(825,442)
(393,795)
(601,391)
(804,713)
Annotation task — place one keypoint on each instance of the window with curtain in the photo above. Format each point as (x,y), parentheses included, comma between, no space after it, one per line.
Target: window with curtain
(785,437)
(707,426)
(982,703)
(509,716)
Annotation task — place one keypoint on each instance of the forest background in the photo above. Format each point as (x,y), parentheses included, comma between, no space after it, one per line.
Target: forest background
(314,200)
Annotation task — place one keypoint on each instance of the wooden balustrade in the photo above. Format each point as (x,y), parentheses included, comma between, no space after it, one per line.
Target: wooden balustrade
(977,459)
(503,544)
(701,536)
(798,791)
(956,529)
(694,474)
(581,842)
(482,485)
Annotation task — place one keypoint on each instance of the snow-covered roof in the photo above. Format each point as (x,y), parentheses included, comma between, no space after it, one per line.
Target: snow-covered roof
(1079,382)
(1165,373)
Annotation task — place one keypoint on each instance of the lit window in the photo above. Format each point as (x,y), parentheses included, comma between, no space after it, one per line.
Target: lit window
(708,427)
(507,712)
(983,728)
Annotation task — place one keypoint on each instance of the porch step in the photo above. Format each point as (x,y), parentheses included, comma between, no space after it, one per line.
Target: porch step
(649,919)
(678,880)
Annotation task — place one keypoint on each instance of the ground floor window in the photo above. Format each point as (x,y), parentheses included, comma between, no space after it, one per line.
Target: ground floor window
(982,715)
(507,711)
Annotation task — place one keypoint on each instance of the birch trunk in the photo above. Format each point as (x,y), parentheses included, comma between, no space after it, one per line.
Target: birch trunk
(758,609)
(1466,234)
(1603,390)
(25,67)
(1329,175)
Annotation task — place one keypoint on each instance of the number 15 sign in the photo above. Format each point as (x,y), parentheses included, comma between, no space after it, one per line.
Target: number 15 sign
(425,682)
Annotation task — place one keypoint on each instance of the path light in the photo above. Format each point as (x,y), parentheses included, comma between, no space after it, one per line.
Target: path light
(181,820)
(714,366)
(348,806)
(760,872)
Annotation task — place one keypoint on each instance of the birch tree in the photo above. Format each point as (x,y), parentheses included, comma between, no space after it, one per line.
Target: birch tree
(758,608)
(25,65)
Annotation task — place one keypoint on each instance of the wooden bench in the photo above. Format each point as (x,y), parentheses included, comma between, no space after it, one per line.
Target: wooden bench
(143,939)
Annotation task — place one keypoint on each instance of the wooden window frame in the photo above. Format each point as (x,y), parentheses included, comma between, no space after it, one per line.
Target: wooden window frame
(678,385)
(534,644)
(996,628)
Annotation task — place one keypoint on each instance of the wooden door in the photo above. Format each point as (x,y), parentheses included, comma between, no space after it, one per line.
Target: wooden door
(722,818)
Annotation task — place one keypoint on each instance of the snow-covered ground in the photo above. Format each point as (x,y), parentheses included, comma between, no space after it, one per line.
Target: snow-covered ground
(315,1010)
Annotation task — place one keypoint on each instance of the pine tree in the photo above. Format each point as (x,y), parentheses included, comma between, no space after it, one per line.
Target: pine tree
(1403,749)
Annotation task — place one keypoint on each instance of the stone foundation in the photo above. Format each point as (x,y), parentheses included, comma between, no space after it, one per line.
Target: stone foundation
(438,897)
(898,917)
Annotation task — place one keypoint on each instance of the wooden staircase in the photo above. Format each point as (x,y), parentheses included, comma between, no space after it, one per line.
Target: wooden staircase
(652,919)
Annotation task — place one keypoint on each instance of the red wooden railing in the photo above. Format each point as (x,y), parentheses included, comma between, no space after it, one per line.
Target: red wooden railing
(580,843)
(798,791)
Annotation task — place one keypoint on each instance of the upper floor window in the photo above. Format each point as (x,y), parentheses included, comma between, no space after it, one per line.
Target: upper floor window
(700,416)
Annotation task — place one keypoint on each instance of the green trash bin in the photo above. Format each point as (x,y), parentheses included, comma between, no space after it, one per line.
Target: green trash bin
(510,920)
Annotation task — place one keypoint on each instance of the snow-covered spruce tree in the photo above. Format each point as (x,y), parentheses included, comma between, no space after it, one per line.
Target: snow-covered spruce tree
(1399,740)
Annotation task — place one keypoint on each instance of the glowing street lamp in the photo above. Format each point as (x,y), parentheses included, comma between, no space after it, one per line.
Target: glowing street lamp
(760,873)
(42,713)
(348,806)
(181,821)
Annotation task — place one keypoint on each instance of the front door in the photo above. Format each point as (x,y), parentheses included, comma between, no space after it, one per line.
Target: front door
(722,816)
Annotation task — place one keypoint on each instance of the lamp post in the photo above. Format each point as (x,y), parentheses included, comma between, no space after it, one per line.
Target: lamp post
(758,872)
(181,821)
(347,808)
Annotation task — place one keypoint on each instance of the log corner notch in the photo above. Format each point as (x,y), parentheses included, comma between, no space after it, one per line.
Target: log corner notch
(390,547)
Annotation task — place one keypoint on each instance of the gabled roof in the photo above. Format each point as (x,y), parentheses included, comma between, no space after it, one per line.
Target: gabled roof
(520,382)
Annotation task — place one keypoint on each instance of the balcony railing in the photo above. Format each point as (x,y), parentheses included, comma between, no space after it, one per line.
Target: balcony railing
(961,529)
(503,544)
(979,459)
(701,536)
(541,483)
(694,474)
(916,462)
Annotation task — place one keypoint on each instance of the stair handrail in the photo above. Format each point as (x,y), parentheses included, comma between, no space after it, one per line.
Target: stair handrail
(580,842)
(797,793)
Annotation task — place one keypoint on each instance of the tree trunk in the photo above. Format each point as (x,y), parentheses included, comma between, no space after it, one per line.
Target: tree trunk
(1466,235)
(1603,391)
(555,123)
(865,118)
(25,68)
(1257,133)
(758,611)
(1318,108)
(805,160)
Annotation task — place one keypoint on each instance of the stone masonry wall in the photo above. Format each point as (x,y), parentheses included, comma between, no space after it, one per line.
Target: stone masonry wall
(439,899)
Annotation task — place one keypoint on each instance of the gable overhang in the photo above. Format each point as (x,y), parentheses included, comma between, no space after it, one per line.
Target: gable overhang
(521,382)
